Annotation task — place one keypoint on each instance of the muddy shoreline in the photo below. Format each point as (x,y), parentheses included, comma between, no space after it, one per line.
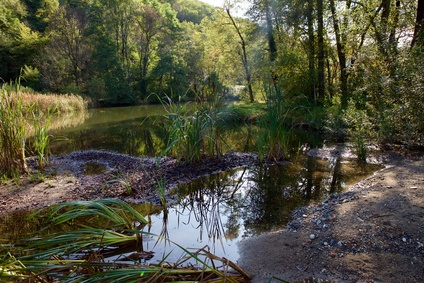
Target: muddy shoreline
(116,175)
(373,232)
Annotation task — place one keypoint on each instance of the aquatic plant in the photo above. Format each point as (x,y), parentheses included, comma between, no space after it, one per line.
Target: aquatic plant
(47,102)
(98,250)
(41,123)
(274,140)
(12,133)
(360,129)
(121,178)
(192,130)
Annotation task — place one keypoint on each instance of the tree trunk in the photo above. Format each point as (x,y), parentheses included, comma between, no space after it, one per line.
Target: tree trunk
(243,58)
(418,38)
(271,42)
(321,52)
(311,54)
(341,55)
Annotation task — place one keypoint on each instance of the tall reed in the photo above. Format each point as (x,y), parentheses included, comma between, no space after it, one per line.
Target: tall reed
(193,131)
(41,123)
(12,133)
(274,140)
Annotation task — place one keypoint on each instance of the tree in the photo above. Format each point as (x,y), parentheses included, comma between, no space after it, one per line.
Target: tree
(311,51)
(152,18)
(321,53)
(243,56)
(418,37)
(68,51)
(263,9)
(18,43)
(341,54)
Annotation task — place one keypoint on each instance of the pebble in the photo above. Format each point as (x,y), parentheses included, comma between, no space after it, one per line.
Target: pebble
(312,236)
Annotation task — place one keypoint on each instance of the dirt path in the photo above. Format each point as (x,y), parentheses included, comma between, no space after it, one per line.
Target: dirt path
(372,233)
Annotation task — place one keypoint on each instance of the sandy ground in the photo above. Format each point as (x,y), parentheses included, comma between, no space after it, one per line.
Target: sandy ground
(372,233)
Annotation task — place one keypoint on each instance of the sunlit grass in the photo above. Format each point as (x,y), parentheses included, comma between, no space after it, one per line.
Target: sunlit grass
(12,133)
(55,103)
(46,102)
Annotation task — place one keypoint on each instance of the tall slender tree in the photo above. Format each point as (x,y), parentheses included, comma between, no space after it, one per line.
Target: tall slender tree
(311,51)
(418,37)
(321,50)
(244,59)
(341,53)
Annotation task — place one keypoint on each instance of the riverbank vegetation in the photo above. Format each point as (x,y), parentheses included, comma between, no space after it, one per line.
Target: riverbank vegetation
(24,113)
(331,61)
(107,245)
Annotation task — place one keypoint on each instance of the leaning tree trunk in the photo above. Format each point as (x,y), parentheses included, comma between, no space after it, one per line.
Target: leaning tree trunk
(243,58)
(271,43)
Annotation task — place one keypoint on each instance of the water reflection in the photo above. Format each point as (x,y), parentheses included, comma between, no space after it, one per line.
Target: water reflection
(220,210)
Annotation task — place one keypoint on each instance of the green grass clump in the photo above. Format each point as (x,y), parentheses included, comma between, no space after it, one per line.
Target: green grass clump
(193,130)
(274,140)
(12,133)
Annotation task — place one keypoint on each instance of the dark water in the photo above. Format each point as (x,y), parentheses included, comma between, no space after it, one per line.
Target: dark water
(215,211)
(222,209)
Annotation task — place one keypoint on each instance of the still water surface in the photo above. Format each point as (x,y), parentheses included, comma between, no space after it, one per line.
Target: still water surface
(217,210)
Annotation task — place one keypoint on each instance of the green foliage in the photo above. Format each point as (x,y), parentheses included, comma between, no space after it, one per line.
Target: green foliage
(31,77)
(193,130)
(12,133)
(106,229)
(18,44)
(192,11)
(391,95)
(39,12)
(131,51)
(275,137)
(41,123)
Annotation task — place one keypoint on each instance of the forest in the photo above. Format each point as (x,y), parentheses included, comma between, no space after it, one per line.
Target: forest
(353,67)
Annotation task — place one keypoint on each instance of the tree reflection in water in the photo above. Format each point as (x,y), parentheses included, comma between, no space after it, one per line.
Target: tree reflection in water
(220,210)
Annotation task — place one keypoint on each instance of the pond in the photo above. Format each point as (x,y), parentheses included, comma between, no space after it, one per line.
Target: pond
(218,210)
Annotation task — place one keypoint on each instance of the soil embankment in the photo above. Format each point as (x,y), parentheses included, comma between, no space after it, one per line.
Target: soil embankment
(374,232)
